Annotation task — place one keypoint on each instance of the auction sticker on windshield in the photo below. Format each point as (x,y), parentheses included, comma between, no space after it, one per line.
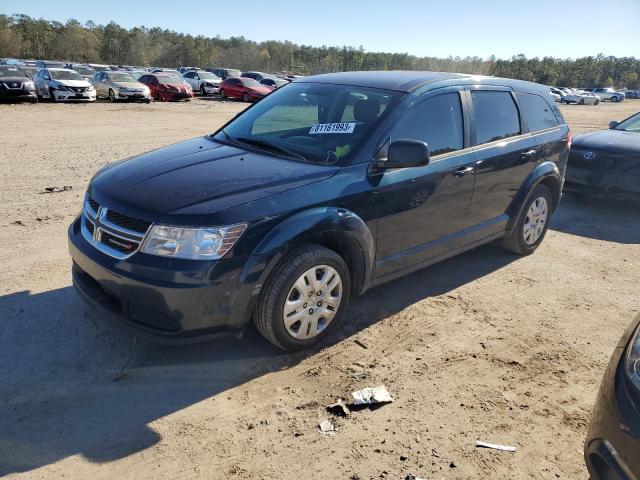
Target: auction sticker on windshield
(332,128)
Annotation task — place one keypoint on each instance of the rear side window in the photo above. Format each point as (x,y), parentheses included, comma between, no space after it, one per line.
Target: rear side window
(495,116)
(537,112)
(437,121)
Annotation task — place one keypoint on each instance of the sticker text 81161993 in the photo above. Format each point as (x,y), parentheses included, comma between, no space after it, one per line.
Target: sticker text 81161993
(332,128)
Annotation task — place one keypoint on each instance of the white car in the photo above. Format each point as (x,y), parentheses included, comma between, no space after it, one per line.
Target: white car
(201,81)
(61,85)
(582,98)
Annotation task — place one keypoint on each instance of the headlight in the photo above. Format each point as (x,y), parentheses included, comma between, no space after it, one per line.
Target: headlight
(191,243)
(632,360)
(60,87)
(91,87)
(29,85)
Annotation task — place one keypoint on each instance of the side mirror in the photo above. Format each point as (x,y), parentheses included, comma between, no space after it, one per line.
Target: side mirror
(406,154)
(613,124)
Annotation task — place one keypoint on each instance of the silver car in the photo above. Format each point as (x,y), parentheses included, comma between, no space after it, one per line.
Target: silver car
(120,86)
(204,82)
(582,98)
(61,84)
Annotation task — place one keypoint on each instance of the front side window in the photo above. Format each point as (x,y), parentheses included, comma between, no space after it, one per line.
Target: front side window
(436,121)
(318,122)
(495,116)
(537,112)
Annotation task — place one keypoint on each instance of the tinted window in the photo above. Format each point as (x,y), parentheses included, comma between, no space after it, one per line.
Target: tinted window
(189,75)
(537,112)
(495,116)
(437,121)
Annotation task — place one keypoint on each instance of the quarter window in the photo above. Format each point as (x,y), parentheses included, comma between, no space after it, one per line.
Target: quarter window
(436,121)
(537,112)
(495,116)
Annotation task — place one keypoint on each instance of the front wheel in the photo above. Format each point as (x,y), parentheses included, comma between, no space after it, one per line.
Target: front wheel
(112,96)
(531,227)
(223,94)
(597,102)
(304,299)
(582,101)
(245,97)
(203,91)
(52,96)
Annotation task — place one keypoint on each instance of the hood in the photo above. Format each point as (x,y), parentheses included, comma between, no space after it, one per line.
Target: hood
(73,83)
(18,80)
(129,84)
(198,177)
(616,141)
(262,89)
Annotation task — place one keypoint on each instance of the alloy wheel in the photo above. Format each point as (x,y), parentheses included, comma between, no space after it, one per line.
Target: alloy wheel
(535,220)
(312,302)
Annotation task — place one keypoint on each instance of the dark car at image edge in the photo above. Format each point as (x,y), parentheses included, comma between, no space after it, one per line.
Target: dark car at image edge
(612,449)
(606,164)
(15,85)
(325,188)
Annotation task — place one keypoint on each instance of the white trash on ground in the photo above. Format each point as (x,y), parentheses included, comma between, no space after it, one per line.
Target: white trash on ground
(494,446)
(371,396)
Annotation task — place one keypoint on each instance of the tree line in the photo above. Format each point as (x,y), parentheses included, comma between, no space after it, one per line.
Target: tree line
(22,36)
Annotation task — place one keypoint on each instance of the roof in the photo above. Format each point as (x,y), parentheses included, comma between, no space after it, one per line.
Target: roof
(408,80)
(401,80)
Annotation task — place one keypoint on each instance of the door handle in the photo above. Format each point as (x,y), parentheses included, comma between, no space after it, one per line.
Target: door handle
(527,155)
(462,171)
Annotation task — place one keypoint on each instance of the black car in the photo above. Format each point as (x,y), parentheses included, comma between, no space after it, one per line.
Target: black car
(606,163)
(15,85)
(612,449)
(325,188)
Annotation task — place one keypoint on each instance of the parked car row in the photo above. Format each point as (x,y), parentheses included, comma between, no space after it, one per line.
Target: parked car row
(590,96)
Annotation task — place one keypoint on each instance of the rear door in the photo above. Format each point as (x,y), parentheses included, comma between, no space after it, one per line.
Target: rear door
(505,153)
(423,209)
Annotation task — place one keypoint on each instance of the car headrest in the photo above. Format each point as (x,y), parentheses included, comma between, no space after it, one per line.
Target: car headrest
(366,110)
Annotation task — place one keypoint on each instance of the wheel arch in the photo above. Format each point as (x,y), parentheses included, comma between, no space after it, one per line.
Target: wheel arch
(335,228)
(547,174)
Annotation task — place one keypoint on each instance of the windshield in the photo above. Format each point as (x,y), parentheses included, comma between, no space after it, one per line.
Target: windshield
(11,72)
(233,73)
(250,82)
(168,79)
(120,77)
(137,75)
(631,124)
(320,122)
(65,75)
(84,70)
(208,76)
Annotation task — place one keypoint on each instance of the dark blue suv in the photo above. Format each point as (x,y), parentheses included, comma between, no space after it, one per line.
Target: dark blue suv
(327,187)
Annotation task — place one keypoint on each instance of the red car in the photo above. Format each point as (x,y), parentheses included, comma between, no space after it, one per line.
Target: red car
(166,87)
(247,89)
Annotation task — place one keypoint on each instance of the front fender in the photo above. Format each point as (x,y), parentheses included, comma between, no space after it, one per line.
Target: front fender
(547,172)
(318,225)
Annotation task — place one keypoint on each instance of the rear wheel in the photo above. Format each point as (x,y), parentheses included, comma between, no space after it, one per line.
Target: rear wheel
(532,224)
(304,299)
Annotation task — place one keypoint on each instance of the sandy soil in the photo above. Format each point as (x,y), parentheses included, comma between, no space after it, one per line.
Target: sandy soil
(483,346)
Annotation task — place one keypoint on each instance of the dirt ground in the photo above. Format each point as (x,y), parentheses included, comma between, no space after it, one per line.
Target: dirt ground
(486,346)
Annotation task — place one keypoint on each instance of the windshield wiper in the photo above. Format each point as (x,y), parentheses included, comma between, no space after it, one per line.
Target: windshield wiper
(259,142)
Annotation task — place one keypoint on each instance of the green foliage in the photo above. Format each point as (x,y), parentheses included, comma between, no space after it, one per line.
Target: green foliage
(24,37)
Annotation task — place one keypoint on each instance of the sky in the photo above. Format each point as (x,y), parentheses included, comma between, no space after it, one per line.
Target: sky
(567,28)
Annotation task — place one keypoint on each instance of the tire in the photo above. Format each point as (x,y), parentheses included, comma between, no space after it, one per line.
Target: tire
(52,96)
(112,96)
(203,92)
(147,101)
(522,240)
(245,97)
(282,288)
(582,101)
(614,99)
(597,102)
(35,100)
(223,94)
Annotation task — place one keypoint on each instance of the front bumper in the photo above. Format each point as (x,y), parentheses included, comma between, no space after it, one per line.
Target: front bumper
(175,96)
(18,95)
(140,96)
(69,96)
(168,301)
(210,90)
(612,449)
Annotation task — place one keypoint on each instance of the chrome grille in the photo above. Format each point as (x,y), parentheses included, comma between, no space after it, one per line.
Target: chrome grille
(111,232)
